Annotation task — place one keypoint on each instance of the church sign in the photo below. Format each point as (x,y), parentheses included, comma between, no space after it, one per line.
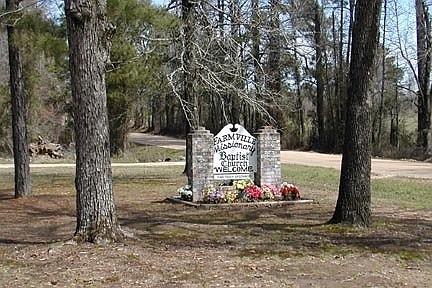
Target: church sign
(235,155)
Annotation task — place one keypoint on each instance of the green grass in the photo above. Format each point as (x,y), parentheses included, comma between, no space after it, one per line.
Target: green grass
(325,179)
(255,233)
(404,192)
(141,153)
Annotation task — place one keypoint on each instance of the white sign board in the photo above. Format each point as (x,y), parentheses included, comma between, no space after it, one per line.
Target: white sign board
(235,155)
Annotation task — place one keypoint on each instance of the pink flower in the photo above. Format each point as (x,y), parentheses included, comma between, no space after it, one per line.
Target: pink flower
(253,192)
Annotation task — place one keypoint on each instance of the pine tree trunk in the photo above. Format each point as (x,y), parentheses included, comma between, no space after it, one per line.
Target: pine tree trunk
(189,93)
(19,112)
(274,67)
(394,122)
(236,56)
(354,200)
(118,109)
(423,70)
(319,75)
(256,119)
(189,79)
(88,35)
(378,139)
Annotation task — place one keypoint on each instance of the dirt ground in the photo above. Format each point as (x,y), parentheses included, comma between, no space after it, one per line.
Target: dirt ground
(180,246)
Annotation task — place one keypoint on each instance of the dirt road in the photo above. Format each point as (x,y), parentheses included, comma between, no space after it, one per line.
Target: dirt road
(380,167)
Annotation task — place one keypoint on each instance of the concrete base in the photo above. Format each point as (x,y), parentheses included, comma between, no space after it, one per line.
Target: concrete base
(176,199)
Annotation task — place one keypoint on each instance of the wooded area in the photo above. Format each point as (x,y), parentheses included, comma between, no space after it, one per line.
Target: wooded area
(209,63)
(295,65)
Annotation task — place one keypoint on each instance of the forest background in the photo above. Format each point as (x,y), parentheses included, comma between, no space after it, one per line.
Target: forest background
(280,63)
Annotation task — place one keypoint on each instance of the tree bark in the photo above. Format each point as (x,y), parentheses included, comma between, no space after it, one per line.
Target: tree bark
(394,122)
(188,59)
(256,119)
(89,36)
(191,112)
(383,82)
(274,67)
(236,58)
(19,111)
(319,74)
(423,72)
(118,109)
(354,199)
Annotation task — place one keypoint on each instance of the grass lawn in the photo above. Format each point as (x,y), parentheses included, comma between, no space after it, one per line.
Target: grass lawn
(179,246)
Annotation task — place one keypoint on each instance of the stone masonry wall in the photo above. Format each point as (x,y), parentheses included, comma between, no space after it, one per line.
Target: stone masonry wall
(200,172)
(268,162)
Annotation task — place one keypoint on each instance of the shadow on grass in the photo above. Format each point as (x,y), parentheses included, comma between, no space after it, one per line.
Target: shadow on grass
(23,242)
(6,194)
(250,231)
(300,229)
(36,219)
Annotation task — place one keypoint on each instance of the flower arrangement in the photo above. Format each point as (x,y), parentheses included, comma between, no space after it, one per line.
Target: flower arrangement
(289,191)
(253,192)
(242,184)
(270,192)
(212,194)
(231,196)
(243,191)
(185,192)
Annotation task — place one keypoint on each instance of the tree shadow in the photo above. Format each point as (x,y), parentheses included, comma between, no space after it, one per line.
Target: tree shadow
(37,219)
(6,194)
(24,242)
(298,228)
(45,219)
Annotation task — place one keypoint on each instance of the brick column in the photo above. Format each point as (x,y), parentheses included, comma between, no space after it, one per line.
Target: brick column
(200,173)
(268,157)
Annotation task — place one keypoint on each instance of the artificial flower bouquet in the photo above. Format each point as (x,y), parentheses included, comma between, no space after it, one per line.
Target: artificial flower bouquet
(243,191)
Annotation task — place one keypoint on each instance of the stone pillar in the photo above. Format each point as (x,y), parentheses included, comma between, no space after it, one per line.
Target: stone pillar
(200,172)
(268,157)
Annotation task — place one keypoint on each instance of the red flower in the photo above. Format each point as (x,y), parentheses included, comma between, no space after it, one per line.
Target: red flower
(290,191)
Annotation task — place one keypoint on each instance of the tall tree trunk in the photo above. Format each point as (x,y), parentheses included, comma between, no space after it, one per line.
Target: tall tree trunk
(350,26)
(170,114)
(19,111)
(383,76)
(274,66)
(335,103)
(89,40)
(423,71)
(189,77)
(189,93)
(257,119)
(319,74)
(341,94)
(158,106)
(118,109)
(236,58)
(354,200)
(221,16)
(394,122)
(298,110)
